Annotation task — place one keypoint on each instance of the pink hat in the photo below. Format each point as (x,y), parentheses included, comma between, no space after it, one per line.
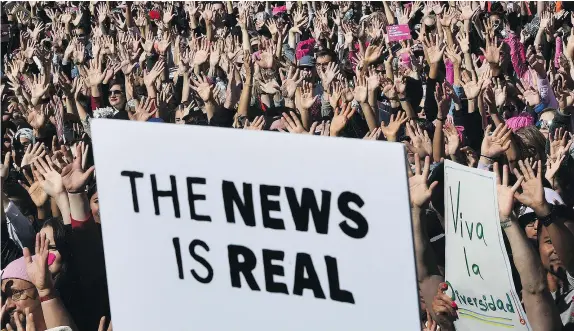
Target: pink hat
(406,60)
(278,10)
(16,270)
(520,121)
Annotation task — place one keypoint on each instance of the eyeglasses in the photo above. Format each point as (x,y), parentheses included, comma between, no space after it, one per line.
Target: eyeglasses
(542,124)
(16,295)
(116,92)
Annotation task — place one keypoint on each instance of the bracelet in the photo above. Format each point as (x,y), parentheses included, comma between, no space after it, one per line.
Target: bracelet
(49,297)
(488,158)
(403,99)
(441,119)
(506,223)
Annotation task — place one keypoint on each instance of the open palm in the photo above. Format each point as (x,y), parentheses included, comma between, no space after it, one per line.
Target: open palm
(53,184)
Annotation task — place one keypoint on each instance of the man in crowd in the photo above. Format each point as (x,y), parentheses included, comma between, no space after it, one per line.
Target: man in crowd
(489,85)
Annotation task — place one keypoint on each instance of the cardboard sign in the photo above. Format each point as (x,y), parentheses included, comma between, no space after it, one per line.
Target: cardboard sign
(222,229)
(477,268)
(398,32)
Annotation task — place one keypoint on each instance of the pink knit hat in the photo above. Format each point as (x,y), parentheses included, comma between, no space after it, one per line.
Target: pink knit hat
(520,121)
(279,10)
(16,270)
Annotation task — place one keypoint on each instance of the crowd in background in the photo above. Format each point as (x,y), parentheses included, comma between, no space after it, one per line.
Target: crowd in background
(487,84)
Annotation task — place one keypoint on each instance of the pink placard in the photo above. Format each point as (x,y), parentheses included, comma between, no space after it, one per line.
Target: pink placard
(398,32)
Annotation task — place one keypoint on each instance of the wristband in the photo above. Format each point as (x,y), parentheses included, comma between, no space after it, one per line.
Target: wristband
(548,219)
(441,119)
(556,212)
(403,99)
(48,297)
(487,157)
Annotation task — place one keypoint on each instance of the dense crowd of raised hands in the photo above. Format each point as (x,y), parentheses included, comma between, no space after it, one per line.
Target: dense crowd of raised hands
(489,85)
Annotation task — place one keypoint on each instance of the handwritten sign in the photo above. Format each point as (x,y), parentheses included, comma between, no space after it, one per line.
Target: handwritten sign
(477,267)
(223,229)
(398,32)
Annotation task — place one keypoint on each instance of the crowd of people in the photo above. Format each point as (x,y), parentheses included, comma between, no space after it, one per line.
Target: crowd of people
(489,85)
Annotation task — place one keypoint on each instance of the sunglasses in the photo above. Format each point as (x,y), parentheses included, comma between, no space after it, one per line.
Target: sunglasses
(116,92)
(542,124)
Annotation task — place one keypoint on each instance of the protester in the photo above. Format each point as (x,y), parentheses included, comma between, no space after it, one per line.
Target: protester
(489,85)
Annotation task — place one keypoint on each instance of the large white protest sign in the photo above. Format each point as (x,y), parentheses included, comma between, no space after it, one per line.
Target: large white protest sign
(222,229)
(477,269)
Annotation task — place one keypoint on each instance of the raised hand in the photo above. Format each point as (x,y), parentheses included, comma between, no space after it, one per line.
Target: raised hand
(290,83)
(466,10)
(33,152)
(215,56)
(329,74)
(267,56)
(270,87)
(74,176)
(37,118)
(361,93)
(444,307)
(307,99)
(536,62)
(463,41)
(35,190)
(529,95)
(95,73)
(341,117)
(392,129)
(532,194)
(292,123)
(452,139)
(500,93)
(421,143)
(420,191)
(144,110)
(257,124)
(153,74)
(148,44)
(203,88)
(470,156)
(103,11)
(168,14)
(473,87)
(48,174)
(373,135)
(497,142)
(35,34)
(78,18)
(201,52)
(443,100)
(38,88)
(163,45)
(493,50)
(37,267)
(208,13)
(373,54)
(434,50)
(454,56)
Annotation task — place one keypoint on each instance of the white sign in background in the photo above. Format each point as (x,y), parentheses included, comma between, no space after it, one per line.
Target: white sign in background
(477,268)
(358,274)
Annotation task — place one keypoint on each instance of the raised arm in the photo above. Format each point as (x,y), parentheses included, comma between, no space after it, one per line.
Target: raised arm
(428,273)
(540,308)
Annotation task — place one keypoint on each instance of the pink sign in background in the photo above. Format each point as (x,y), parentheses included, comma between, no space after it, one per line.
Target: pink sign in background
(398,32)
